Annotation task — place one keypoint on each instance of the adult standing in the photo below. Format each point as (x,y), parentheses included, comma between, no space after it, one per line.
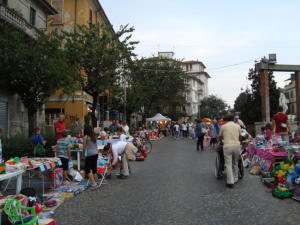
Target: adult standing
(91,150)
(127,151)
(200,132)
(125,127)
(176,127)
(230,135)
(60,127)
(184,130)
(218,126)
(281,125)
(213,134)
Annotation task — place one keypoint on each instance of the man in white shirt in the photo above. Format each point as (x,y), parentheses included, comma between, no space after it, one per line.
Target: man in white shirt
(184,130)
(127,151)
(230,135)
(120,132)
(125,127)
(176,126)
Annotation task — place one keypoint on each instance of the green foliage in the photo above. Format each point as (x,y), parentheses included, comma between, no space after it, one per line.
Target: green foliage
(249,101)
(156,85)
(212,106)
(34,69)
(20,146)
(99,57)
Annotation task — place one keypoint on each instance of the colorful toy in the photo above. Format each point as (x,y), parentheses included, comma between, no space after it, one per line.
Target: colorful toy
(38,208)
(281,194)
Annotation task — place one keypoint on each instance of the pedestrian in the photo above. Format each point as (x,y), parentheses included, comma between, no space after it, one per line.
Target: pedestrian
(90,149)
(125,127)
(218,126)
(230,136)
(63,147)
(281,125)
(200,132)
(126,150)
(120,133)
(176,126)
(37,140)
(213,134)
(60,127)
(268,131)
(184,130)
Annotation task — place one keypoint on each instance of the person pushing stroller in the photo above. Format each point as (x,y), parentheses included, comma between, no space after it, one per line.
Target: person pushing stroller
(230,136)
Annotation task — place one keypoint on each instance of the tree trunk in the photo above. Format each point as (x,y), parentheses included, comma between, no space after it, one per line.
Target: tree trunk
(94,106)
(31,121)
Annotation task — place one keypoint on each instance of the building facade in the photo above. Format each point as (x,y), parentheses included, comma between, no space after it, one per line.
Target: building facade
(72,13)
(30,16)
(290,94)
(197,86)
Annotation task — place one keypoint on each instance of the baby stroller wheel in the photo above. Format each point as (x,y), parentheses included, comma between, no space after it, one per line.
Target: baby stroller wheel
(241,168)
(218,168)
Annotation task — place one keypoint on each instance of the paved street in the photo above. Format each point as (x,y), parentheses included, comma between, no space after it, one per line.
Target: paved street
(176,185)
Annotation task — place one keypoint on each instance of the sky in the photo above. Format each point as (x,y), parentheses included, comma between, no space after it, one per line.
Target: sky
(217,32)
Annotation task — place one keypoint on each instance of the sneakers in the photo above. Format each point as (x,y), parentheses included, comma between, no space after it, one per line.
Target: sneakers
(121,176)
(94,186)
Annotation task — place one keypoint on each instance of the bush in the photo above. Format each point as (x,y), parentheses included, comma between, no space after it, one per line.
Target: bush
(20,146)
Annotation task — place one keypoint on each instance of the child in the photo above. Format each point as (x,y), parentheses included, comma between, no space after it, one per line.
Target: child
(37,139)
(63,147)
(268,131)
(263,131)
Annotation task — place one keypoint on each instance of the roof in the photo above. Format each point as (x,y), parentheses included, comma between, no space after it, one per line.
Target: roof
(47,7)
(205,73)
(195,78)
(194,62)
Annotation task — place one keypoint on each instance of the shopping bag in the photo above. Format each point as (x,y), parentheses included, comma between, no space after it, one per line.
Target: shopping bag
(40,151)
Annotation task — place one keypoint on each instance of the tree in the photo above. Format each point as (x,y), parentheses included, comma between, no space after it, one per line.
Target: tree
(99,57)
(251,110)
(156,85)
(211,106)
(34,69)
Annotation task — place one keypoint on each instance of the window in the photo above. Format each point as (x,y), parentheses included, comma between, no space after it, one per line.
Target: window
(3,2)
(292,94)
(191,66)
(91,16)
(32,16)
(58,5)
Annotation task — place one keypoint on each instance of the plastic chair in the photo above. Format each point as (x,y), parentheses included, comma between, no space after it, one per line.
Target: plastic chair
(13,209)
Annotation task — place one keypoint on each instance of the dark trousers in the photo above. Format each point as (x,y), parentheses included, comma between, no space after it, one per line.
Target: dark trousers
(200,142)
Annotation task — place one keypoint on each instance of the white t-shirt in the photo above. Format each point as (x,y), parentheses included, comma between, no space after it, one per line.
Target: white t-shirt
(118,148)
(123,137)
(126,128)
(184,127)
(176,127)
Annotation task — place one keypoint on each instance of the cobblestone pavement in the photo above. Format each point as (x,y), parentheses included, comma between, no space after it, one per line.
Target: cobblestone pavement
(176,185)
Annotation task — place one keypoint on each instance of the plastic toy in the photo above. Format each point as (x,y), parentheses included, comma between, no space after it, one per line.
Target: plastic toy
(281,194)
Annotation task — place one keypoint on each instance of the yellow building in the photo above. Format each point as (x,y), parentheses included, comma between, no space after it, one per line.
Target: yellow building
(70,14)
(290,93)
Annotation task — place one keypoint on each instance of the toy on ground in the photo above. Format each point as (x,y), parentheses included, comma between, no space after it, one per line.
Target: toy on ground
(13,209)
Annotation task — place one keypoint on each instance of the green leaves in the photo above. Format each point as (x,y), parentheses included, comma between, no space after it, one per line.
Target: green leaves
(212,106)
(156,85)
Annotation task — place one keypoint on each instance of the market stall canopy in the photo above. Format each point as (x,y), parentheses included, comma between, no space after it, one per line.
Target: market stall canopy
(158,117)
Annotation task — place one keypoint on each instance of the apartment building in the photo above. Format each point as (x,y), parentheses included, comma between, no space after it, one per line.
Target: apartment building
(30,16)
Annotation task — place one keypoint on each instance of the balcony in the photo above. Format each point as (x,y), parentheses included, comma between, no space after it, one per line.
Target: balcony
(17,20)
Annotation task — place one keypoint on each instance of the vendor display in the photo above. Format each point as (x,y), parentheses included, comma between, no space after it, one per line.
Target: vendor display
(277,163)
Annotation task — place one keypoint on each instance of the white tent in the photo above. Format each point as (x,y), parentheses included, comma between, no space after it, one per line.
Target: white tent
(158,117)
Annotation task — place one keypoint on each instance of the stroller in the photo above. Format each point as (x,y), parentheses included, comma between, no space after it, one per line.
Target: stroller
(220,164)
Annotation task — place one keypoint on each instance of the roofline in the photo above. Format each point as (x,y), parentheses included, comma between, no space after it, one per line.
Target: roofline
(46,5)
(104,14)
(205,73)
(194,62)
(195,78)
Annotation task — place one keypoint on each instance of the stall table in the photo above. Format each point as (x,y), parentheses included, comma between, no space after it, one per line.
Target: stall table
(18,174)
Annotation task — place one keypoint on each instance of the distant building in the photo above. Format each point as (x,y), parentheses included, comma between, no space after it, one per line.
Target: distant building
(290,94)
(197,90)
(168,55)
(30,16)
(72,13)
